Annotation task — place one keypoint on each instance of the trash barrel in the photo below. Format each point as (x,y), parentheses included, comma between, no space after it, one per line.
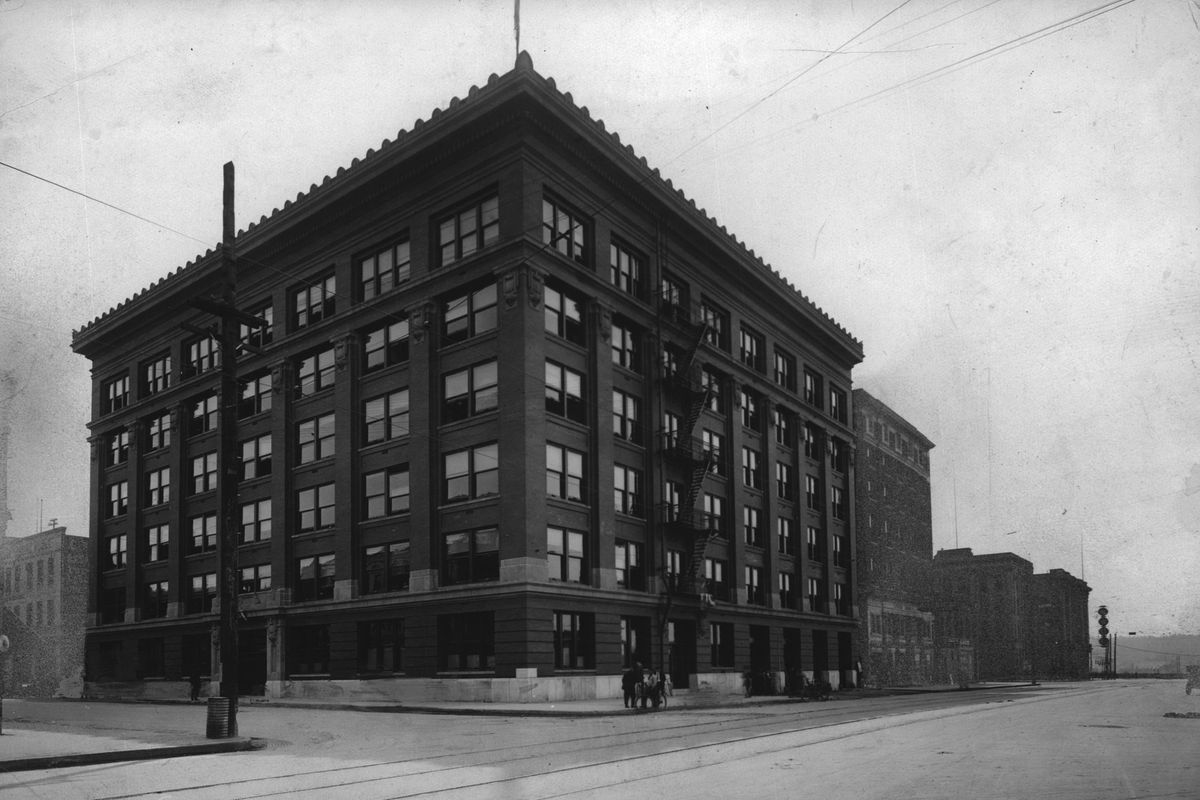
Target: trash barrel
(218,718)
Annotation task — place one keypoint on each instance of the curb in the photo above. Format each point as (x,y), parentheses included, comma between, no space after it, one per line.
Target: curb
(141,754)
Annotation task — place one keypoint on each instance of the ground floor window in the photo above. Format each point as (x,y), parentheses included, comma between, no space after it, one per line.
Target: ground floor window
(381,646)
(108,661)
(635,641)
(197,654)
(308,650)
(573,641)
(150,659)
(720,635)
(466,641)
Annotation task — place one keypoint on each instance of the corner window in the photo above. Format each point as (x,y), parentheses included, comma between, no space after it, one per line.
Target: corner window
(469,391)
(386,346)
(564,555)
(564,392)
(565,230)
(471,556)
(467,641)
(564,473)
(469,230)
(573,641)
(471,473)
(114,394)
(468,315)
(564,315)
(383,269)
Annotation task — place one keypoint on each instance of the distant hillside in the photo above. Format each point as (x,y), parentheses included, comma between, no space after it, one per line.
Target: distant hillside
(1154,653)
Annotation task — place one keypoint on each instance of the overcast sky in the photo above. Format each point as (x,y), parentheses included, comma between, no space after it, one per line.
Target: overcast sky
(1000,198)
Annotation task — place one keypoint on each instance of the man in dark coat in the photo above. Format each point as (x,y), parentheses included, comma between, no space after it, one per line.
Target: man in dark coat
(629,681)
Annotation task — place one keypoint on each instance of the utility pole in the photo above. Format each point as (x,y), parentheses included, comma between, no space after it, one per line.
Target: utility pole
(227,553)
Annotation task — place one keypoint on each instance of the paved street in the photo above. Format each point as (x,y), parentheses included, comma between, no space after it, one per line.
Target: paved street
(1088,740)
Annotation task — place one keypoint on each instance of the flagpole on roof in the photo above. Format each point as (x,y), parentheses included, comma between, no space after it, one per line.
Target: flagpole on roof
(517,25)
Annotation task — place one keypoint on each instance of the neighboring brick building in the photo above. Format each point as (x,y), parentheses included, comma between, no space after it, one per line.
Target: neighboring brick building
(521,415)
(1061,627)
(44,601)
(894,532)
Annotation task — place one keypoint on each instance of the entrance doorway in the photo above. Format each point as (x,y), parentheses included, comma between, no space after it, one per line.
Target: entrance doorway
(681,652)
(762,679)
(252,662)
(820,655)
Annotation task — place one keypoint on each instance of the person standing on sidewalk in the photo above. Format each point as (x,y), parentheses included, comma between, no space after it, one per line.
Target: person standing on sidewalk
(629,681)
(194,681)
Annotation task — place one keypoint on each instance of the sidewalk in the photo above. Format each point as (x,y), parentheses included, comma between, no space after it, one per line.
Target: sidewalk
(28,745)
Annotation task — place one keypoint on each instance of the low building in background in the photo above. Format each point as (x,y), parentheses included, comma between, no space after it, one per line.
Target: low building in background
(44,603)
(1061,642)
(894,533)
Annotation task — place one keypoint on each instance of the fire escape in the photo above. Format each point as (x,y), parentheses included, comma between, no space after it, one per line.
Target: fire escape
(683,380)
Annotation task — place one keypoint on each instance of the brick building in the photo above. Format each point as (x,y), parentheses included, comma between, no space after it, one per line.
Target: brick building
(44,603)
(1060,626)
(894,537)
(520,414)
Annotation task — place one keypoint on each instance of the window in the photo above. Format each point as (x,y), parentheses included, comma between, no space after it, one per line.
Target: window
(751,350)
(713,383)
(117,451)
(626,347)
(813,388)
(754,588)
(204,533)
(255,578)
(785,427)
(714,514)
(116,548)
(256,396)
(114,394)
(564,315)
(674,570)
(384,269)
(785,370)
(627,490)
(315,439)
(716,324)
(812,494)
(627,415)
(837,404)
(751,468)
(625,269)
(711,445)
(256,457)
(308,650)
(564,555)
(203,354)
(158,432)
(316,372)
(385,568)
(816,601)
(469,392)
(386,417)
(112,606)
(672,500)
(814,544)
(256,521)
(564,392)
(841,551)
(840,454)
(471,229)
(838,504)
(670,361)
(469,314)
(670,429)
(154,599)
(202,593)
(314,302)
(258,335)
(811,448)
(466,641)
(386,346)
(630,574)
(841,600)
(204,473)
(471,556)
(158,542)
(783,534)
(573,638)
(785,481)
(673,296)
(720,638)
(564,473)
(204,415)
(471,473)
(714,577)
(315,508)
(314,577)
(786,598)
(750,408)
(381,646)
(752,526)
(156,374)
(386,492)
(158,486)
(118,498)
(564,230)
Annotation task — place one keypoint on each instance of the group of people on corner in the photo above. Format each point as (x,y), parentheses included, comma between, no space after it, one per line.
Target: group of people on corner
(645,688)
